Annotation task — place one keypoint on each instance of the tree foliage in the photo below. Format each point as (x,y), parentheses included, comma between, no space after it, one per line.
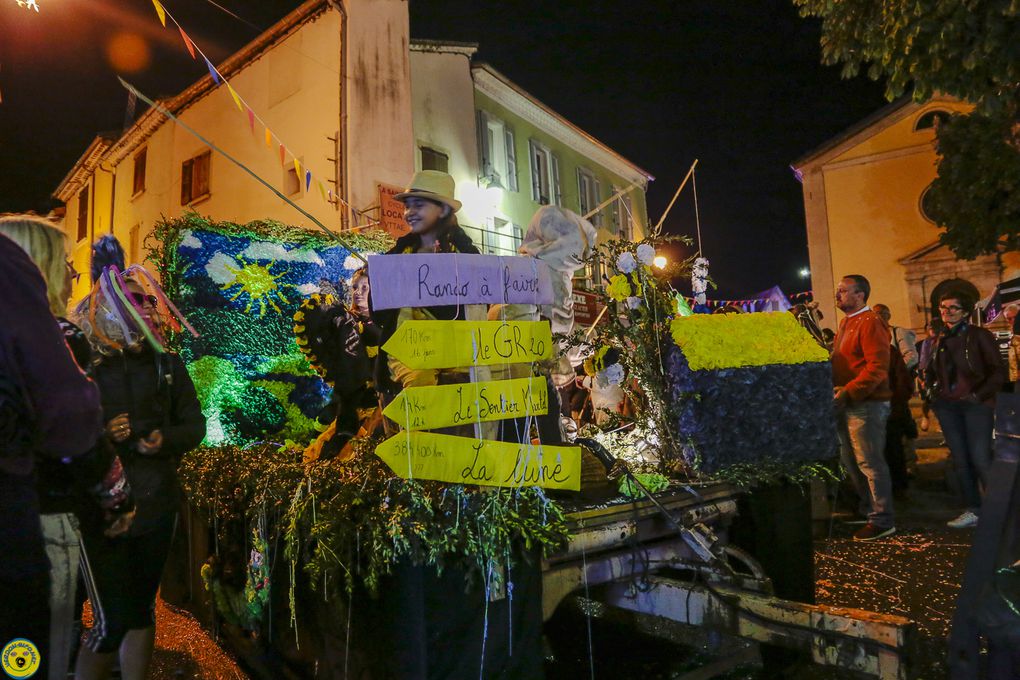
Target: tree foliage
(977,191)
(969,49)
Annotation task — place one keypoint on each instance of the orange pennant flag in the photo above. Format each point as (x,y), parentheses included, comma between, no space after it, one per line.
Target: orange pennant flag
(283,155)
(269,139)
(187,42)
(237,100)
(160,11)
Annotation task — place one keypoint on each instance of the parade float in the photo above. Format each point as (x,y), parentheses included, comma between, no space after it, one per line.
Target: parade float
(713,405)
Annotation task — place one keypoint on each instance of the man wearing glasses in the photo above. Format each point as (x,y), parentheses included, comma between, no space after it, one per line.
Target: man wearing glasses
(962,372)
(860,375)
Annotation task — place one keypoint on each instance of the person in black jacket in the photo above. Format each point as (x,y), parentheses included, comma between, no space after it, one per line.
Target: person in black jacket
(963,372)
(153,416)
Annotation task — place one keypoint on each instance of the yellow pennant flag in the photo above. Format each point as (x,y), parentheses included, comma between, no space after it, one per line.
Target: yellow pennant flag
(322,189)
(269,139)
(160,11)
(428,408)
(463,460)
(237,99)
(297,168)
(449,344)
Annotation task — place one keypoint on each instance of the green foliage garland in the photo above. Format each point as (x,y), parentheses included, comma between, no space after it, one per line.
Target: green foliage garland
(348,522)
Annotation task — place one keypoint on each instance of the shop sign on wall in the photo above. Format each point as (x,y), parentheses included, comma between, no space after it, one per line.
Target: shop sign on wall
(391,211)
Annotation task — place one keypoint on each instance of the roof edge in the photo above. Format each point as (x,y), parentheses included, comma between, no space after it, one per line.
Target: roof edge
(849,133)
(449,46)
(91,156)
(151,120)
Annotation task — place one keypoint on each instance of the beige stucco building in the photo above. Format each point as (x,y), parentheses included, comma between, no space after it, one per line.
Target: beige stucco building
(864,208)
(361,107)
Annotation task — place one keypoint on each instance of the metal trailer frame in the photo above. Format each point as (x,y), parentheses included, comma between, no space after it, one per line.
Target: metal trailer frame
(638,561)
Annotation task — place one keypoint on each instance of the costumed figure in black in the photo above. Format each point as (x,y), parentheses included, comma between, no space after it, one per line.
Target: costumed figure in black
(341,342)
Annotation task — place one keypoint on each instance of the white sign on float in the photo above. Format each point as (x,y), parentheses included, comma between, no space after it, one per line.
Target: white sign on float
(424,280)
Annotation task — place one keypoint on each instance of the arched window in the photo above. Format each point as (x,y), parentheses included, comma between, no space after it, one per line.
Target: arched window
(930,119)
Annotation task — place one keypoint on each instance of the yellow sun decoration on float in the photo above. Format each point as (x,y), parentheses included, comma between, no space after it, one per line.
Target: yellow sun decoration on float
(261,286)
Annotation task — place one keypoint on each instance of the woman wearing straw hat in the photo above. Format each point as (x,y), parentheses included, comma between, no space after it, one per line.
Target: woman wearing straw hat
(430,211)
(428,624)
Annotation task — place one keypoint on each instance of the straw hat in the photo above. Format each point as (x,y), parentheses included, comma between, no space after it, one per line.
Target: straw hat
(432,185)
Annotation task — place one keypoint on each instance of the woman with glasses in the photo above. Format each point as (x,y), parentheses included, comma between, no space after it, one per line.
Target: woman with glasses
(152,415)
(962,371)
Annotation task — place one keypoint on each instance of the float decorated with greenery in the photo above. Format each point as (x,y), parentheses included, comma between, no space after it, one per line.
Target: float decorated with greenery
(723,396)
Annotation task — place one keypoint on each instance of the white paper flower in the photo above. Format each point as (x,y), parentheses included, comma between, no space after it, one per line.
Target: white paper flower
(646,254)
(633,302)
(613,375)
(626,262)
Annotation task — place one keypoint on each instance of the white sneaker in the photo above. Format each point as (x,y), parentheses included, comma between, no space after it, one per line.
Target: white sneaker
(964,521)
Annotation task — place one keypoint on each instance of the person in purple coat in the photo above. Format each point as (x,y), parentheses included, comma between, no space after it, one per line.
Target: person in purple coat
(50,411)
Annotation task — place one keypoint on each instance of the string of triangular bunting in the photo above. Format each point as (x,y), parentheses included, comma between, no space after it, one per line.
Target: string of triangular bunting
(303,174)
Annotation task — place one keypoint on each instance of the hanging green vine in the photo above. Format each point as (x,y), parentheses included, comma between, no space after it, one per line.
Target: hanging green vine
(348,522)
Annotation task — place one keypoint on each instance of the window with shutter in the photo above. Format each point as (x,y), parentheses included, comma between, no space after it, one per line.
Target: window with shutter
(434,160)
(511,160)
(195,178)
(623,216)
(138,185)
(589,191)
(83,213)
(484,148)
(538,172)
(545,175)
(186,173)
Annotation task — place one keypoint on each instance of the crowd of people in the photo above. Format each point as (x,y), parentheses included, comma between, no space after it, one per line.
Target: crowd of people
(95,416)
(958,370)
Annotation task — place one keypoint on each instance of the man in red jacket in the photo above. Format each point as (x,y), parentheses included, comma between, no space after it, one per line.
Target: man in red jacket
(860,374)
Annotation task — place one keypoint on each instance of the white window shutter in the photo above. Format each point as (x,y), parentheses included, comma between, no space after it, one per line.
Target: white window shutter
(557,194)
(580,192)
(536,168)
(511,159)
(596,199)
(484,152)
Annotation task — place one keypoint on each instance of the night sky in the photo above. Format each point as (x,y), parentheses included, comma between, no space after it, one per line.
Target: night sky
(736,84)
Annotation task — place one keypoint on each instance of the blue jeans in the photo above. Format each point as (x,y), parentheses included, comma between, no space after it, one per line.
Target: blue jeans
(968,431)
(861,428)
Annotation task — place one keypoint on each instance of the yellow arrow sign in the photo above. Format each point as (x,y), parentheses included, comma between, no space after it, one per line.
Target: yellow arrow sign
(462,460)
(449,344)
(427,408)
